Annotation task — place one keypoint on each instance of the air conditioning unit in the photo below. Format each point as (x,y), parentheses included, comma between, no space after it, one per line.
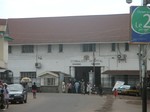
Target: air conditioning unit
(122,57)
(38,65)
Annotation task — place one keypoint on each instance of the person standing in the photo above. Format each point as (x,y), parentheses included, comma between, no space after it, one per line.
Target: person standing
(34,90)
(88,88)
(76,86)
(83,87)
(63,87)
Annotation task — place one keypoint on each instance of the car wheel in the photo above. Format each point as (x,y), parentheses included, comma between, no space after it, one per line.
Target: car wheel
(25,101)
(21,102)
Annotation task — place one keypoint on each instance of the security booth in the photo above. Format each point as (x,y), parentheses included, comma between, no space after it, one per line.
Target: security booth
(51,81)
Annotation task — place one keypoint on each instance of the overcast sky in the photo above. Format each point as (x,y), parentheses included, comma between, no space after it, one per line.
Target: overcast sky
(51,8)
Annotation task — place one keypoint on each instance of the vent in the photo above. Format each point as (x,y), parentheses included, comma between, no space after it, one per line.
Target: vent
(38,65)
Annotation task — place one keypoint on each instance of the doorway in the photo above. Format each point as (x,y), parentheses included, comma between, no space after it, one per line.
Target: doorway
(83,73)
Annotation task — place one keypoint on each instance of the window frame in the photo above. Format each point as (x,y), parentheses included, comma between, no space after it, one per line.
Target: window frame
(88,47)
(60,48)
(27,48)
(126,46)
(113,47)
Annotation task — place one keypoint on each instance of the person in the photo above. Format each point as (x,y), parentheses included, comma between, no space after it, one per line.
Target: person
(76,86)
(83,87)
(63,87)
(88,88)
(115,92)
(69,86)
(2,100)
(100,90)
(6,96)
(34,90)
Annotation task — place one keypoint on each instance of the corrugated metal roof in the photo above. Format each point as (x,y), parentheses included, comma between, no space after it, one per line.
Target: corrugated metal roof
(74,29)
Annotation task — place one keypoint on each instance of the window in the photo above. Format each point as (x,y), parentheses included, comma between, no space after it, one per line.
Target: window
(60,48)
(126,47)
(88,47)
(27,49)
(49,48)
(49,81)
(28,74)
(9,49)
(113,47)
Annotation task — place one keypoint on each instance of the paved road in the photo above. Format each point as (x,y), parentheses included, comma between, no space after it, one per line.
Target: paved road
(52,102)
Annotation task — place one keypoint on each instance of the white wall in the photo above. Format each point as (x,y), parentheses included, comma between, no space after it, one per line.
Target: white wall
(72,54)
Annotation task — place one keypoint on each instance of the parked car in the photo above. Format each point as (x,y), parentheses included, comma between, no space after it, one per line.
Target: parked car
(17,93)
(133,91)
(128,90)
(122,89)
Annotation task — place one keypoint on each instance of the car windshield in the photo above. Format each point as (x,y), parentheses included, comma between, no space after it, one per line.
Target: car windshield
(125,87)
(14,87)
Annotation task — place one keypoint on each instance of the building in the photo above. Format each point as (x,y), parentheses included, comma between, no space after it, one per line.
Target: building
(5,74)
(94,48)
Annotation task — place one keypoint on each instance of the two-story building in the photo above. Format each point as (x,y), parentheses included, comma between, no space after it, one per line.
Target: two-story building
(94,48)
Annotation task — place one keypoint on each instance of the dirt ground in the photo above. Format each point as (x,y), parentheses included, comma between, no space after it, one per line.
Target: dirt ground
(133,100)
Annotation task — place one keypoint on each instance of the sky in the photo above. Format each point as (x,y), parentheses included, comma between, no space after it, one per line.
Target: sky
(55,8)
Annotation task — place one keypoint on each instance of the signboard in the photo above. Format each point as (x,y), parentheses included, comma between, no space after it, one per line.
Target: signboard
(118,84)
(140,23)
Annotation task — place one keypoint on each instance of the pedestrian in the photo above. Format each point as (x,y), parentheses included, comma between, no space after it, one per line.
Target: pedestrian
(2,100)
(69,87)
(76,85)
(34,90)
(100,90)
(6,96)
(115,92)
(88,88)
(82,87)
(63,87)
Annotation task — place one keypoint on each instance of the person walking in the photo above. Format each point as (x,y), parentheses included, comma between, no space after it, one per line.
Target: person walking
(34,90)
(115,92)
(6,96)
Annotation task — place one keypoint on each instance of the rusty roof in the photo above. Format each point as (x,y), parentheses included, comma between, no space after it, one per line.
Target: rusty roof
(73,29)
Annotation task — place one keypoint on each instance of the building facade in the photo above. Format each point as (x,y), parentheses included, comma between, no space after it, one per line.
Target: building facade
(94,48)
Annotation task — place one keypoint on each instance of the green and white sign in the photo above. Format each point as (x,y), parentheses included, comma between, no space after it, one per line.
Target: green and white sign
(140,23)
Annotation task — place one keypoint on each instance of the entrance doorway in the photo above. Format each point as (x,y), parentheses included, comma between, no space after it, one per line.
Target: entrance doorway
(83,73)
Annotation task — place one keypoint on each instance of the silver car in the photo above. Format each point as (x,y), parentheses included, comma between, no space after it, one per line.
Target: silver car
(17,93)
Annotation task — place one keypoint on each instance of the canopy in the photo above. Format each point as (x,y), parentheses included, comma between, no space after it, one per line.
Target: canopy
(26,79)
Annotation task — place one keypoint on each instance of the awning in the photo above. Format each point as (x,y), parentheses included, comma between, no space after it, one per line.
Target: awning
(123,72)
(2,70)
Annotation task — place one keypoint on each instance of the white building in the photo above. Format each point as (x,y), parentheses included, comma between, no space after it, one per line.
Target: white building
(76,46)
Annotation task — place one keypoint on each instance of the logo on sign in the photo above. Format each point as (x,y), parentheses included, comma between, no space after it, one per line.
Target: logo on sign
(140,22)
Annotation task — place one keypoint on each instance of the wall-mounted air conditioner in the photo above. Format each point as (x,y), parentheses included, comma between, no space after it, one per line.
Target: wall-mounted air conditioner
(38,65)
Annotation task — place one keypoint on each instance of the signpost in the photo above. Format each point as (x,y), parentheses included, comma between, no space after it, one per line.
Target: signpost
(140,33)
(140,24)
